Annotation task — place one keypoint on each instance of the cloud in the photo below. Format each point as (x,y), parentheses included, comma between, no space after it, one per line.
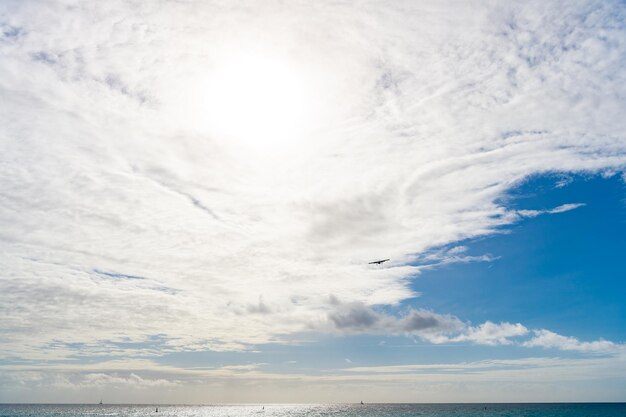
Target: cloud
(437,257)
(421,120)
(417,321)
(491,334)
(355,317)
(238,368)
(133,380)
(550,340)
(490,366)
(436,328)
(565,207)
(559,209)
(259,308)
(76,382)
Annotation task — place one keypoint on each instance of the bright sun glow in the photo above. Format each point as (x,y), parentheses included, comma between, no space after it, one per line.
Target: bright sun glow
(257,101)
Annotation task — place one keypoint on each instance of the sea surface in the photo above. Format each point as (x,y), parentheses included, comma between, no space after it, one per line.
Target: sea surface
(338,410)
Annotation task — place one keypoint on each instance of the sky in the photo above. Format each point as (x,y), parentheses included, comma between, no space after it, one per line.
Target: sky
(191,193)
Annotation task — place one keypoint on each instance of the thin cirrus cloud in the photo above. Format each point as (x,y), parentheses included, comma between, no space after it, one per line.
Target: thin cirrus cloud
(125,215)
(559,209)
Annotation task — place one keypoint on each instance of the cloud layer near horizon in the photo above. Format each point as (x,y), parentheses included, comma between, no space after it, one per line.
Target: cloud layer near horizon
(124,217)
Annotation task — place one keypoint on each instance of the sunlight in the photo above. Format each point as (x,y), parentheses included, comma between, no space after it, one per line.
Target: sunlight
(256,101)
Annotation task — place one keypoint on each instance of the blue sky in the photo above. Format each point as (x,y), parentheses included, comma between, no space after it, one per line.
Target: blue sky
(551,270)
(192,193)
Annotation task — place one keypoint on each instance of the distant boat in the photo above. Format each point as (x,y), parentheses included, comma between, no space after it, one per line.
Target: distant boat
(100,402)
(361,402)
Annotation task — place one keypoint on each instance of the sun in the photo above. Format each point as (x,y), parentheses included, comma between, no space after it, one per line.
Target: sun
(256,100)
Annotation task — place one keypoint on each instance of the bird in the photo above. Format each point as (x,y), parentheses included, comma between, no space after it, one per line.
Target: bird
(378,262)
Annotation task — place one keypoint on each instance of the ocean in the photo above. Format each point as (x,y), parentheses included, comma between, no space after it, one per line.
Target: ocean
(311,410)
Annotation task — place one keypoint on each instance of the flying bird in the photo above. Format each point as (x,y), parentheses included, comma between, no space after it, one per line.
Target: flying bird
(378,262)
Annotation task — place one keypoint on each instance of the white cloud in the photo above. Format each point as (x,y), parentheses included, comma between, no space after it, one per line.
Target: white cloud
(131,380)
(240,368)
(559,209)
(490,333)
(547,339)
(565,207)
(421,119)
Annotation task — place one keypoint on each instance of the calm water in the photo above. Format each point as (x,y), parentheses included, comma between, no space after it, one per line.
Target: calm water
(342,410)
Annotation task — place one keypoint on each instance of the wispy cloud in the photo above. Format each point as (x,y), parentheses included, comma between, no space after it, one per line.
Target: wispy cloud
(556,210)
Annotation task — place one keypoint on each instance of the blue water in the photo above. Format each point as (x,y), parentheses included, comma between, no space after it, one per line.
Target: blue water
(339,410)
